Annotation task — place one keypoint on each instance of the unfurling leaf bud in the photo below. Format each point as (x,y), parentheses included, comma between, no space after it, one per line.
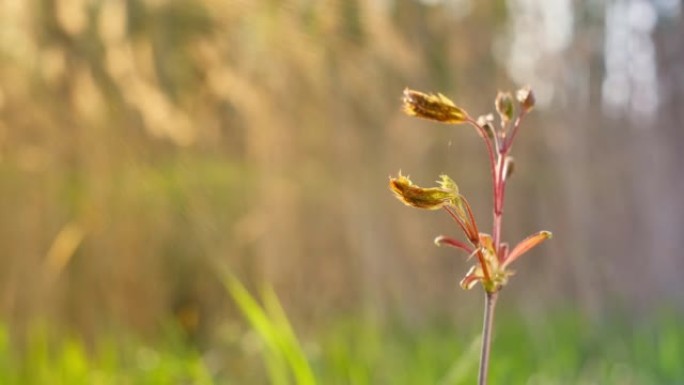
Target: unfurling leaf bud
(485,121)
(509,167)
(433,107)
(431,198)
(504,106)
(526,99)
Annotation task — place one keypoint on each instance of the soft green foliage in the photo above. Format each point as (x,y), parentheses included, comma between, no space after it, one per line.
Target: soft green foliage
(560,350)
(565,349)
(69,362)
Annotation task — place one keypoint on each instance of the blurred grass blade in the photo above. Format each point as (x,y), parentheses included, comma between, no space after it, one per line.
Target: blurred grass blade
(292,349)
(259,321)
(270,322)
(464,366)
(276,367)
(63,249)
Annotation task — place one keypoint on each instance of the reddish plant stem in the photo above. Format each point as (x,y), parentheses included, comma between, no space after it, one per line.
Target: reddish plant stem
(497,164)
(458,220)
(490,151)
(497,232)
(516,125)
(499,188)
(476,242)
(475,232)
(481,258)
(487,325)
(499,199)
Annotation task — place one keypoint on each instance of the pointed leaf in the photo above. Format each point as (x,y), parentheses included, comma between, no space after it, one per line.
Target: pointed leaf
(472,277)
(525,245)
(448,241)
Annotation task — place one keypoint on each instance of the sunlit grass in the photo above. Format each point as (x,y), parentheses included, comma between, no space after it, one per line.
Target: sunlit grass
(565,348)
(44,360)
(359,351)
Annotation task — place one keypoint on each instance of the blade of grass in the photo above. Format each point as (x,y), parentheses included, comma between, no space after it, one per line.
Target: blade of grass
(463,366)
(292,349)
(272,325)
(264,327)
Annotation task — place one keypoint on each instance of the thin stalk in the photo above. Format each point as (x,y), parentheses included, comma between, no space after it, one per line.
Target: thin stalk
(487,324)
(516,126)
(497,231)
(490,150)
(499,190)
(458,220)
(475,242)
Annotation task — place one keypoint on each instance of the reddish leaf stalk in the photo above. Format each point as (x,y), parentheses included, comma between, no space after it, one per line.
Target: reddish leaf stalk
(444,240)
(457,219)
(498,189)
(490,150)
(475,241)
(516,125)
(497,168)
(499,198)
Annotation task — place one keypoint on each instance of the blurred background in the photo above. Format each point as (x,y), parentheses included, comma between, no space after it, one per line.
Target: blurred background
(147,145)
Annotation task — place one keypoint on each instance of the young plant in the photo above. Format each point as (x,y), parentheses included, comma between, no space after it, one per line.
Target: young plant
(493,256)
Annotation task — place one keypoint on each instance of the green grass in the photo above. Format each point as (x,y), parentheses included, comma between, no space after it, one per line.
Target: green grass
(283,355)
(564,349)
(559,350)
(43,360)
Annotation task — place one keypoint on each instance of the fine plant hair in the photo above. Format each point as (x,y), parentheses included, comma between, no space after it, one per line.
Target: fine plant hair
(493,256)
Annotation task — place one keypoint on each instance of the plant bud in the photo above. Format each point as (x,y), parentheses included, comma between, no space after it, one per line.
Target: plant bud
(504,106)
(433,107)
(485,121)
(526,99)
